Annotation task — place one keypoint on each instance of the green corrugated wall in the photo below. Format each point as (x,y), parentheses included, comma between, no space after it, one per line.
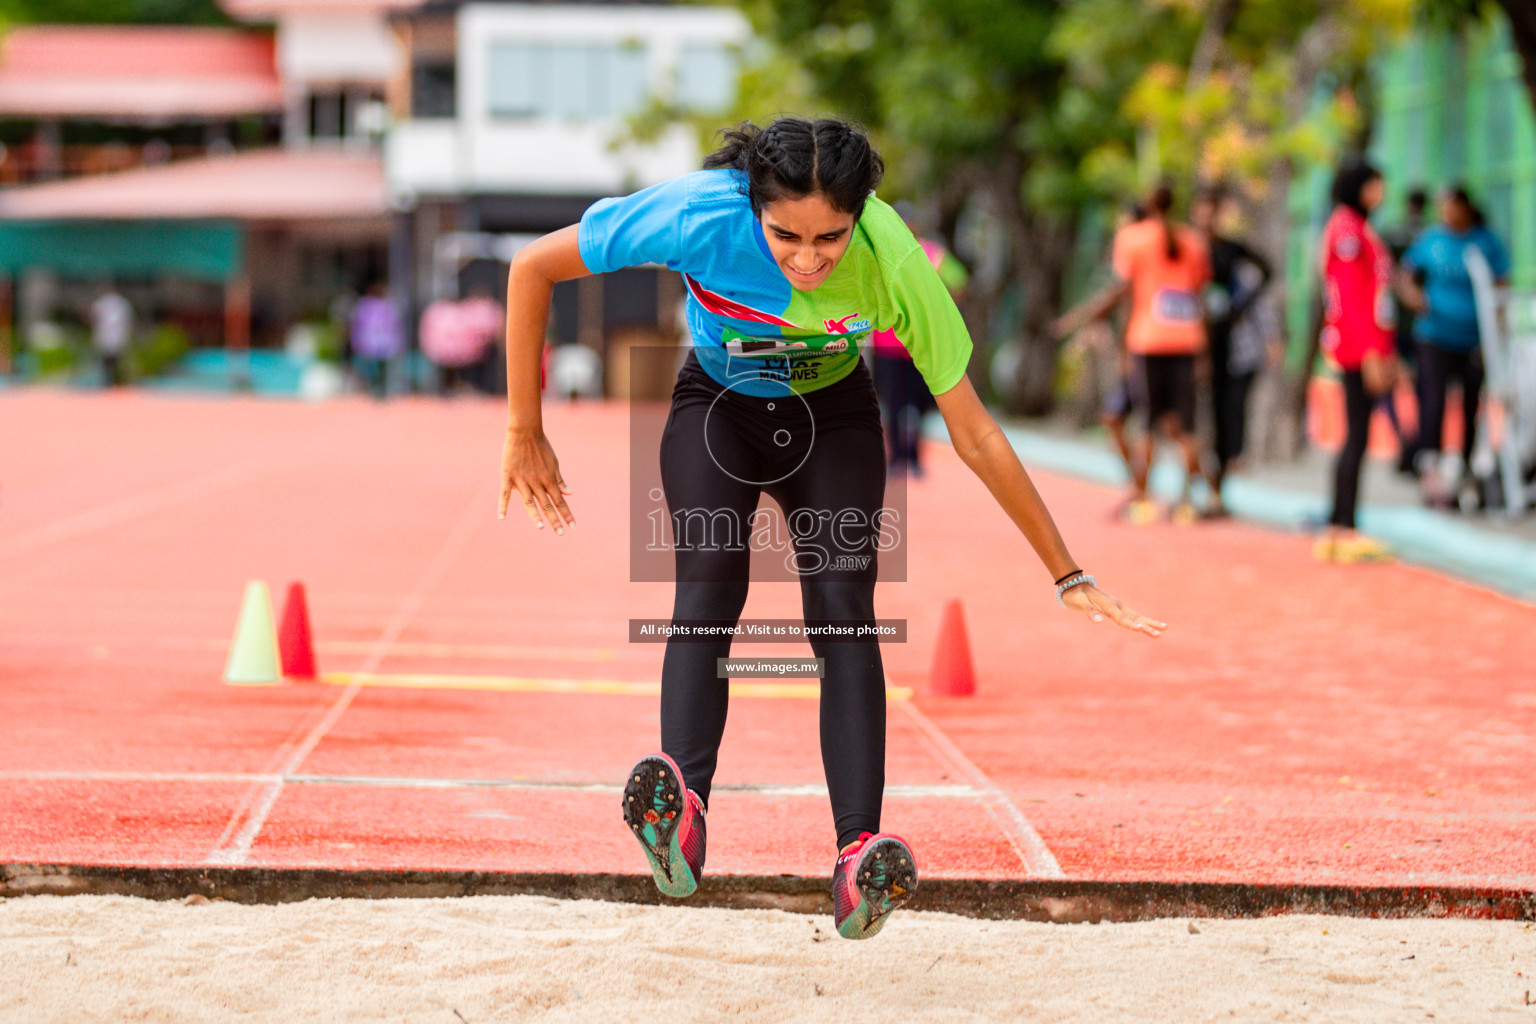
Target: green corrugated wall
(1449,108)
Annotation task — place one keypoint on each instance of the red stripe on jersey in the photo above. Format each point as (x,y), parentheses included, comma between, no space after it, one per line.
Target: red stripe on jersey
(722,306)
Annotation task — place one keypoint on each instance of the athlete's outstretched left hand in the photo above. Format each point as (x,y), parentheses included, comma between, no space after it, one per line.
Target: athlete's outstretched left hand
(1100,606)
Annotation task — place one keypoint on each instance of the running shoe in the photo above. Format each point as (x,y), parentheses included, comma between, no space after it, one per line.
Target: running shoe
(1139,512)
(668,820)
(1360,549)
(1184,514)
(872,878)
(1322,548)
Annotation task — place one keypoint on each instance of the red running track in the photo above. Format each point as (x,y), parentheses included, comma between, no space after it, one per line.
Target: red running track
(1297,724)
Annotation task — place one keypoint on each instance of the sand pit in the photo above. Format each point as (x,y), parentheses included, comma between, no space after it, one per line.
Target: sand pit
(81,958)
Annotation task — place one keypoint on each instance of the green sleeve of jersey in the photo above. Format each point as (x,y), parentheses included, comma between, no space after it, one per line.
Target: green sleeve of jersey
(953,273)
(929,324)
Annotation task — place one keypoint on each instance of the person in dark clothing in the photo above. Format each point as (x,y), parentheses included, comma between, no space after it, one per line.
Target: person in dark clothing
(1228,299)
(1399,238)
(1447,329)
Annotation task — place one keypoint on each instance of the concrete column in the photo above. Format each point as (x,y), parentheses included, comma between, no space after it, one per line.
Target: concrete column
(50,150)
(237,329)
(402,290)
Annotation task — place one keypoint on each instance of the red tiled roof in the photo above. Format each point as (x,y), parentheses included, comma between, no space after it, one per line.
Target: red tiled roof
(256,10)
(137,71)
(269,184)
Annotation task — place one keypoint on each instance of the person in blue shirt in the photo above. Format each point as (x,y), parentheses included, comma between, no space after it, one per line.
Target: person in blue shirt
(1445,326)
(791,265)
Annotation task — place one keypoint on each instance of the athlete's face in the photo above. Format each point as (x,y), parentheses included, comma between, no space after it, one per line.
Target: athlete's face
(807,238)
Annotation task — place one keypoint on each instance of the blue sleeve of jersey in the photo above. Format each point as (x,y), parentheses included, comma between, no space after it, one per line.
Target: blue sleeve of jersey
(1414,258)
(643,227)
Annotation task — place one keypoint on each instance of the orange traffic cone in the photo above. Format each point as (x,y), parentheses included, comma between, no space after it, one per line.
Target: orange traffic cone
(952,674)
(293,638)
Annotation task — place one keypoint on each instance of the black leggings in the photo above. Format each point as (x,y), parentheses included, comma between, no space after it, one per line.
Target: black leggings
(820,459)
(1346,473)
(1229,398)
(907,398)
(1437,366)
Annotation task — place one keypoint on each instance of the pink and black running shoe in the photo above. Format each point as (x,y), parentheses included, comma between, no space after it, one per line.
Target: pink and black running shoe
(668,819)
(873,878)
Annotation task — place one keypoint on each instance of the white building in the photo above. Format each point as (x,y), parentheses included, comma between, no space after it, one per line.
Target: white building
(541,91)
(513,123)
(338,60)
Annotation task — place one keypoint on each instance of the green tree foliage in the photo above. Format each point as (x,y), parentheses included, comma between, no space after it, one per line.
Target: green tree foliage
(112,12)
(971,106)
(1230,87)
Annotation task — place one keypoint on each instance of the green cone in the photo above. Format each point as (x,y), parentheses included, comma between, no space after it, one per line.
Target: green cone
(253,657)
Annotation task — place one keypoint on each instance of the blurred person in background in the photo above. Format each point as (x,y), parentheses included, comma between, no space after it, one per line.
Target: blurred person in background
(1239,276)
(1398,238)
(1116,410)
(1446,329)
(456,336)
(1358,336)
(1162,266)
(377,338)
(111,332)
(901,388)
(486,320)
(791,263)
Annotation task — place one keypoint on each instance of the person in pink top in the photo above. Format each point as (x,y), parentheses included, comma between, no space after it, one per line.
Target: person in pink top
(1358,337)
(486,320)
(457,335)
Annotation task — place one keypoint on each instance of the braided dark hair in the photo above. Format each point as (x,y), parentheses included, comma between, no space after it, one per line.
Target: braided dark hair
(1159,205)
(791,158)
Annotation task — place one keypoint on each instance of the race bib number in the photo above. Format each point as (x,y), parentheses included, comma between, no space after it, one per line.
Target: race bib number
(1176,306)
(747,347)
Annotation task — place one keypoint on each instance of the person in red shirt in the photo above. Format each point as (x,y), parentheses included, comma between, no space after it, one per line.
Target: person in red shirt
(1358,334)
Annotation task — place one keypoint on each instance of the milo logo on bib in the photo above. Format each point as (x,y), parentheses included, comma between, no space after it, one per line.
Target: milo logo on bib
(746,346)
(802,364)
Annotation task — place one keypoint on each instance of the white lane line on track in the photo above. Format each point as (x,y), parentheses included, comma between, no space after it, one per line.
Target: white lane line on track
(234,846)
(486,652)
(912,792)
(1038,860)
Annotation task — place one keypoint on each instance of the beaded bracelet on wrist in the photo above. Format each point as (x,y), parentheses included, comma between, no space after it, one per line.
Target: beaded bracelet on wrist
(1072,581)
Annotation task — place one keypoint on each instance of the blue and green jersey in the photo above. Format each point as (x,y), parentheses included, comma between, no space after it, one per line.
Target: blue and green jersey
(751,329)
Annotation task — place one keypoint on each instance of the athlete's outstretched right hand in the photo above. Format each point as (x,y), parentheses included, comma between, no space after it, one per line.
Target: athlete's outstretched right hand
(529,467)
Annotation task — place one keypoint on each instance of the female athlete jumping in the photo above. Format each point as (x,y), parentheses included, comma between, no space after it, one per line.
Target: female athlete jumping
(791,265)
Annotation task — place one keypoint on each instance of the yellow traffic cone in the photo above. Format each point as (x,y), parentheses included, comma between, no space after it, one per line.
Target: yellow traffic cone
(253,657)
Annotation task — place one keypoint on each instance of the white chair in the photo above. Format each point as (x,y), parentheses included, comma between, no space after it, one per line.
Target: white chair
(575,370)
(1507,327)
